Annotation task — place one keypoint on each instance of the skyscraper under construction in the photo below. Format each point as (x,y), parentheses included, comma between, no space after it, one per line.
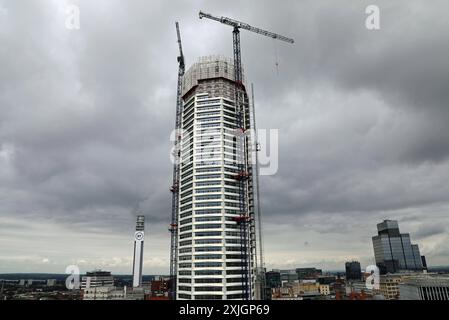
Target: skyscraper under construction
(216,234)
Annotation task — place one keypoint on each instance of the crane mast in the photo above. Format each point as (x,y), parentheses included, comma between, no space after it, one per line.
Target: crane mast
(246,218)
(176,163)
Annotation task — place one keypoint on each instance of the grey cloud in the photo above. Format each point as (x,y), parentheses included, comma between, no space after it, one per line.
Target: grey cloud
(428,231)
(362,118)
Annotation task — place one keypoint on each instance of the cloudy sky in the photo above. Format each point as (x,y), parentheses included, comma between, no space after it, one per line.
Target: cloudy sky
(86,115)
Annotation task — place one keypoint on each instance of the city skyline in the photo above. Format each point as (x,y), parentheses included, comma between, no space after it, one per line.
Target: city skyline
(86,117)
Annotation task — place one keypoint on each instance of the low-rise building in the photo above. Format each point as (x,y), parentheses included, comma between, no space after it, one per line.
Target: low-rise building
(326,279)
(308,273)
(96,279)
(51,282)
(389,286)
(324,289)
(358,287)
(113,293)
(273,279)
(424,287)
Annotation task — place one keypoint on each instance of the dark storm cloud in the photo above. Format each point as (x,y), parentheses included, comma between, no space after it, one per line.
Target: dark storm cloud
(428,231)
(362,160)
(86,115)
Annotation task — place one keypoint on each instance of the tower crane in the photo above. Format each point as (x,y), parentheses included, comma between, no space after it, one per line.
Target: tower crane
(237,25)
(175,185)
(244,219)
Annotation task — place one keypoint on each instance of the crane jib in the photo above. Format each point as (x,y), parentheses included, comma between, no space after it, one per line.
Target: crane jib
(245,26)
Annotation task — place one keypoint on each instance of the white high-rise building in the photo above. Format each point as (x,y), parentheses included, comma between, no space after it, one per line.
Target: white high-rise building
(212,263)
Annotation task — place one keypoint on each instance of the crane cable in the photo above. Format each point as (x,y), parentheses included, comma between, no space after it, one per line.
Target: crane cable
(276,57)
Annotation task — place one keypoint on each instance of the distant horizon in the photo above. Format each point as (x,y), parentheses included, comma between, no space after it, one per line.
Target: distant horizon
(161,274)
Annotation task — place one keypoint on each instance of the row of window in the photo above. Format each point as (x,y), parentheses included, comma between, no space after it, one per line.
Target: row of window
(211,203)
(210,288)
(208,119)
(206,219)
(210,296)
(208,226)
(186,214)
(186,187)
(209,233)
(208,108)
(208,132)
(210,272)
(186,194)
(208,204)
(204,226)
(208,197)
(208,183)
(208,142)
(185,221)
(211,257)
(209,264)
(207,113)
(208,190)
(207,211)
(185,250)
(188,110)
(205,177)
(209,137)
(208,150)
(202,280)
(214,249)
(204,170)
(201,103)
(206,241)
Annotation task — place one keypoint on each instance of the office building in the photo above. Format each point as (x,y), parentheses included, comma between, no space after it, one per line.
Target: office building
(97,278)
(424,262)
(216,257)
(353,270)
(273,279)
(393,250)
(287,275)
(308,273)
(326,279)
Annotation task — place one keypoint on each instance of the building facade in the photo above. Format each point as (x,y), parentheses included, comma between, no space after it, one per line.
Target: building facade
(393,251)
(97,278)
(308,273)
(389,286)
(287,275)
(212,259)
(424,287)
(273,279)
(353,270)
(324,289)
(113,293)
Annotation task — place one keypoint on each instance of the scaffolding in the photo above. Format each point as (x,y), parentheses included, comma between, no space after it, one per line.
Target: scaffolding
(208,67)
